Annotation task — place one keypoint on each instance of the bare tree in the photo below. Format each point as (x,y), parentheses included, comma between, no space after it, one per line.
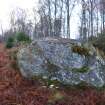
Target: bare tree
(70,4)
(102,11)
(83,28)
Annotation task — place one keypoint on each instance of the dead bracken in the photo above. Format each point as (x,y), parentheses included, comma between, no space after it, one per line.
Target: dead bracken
(80,50)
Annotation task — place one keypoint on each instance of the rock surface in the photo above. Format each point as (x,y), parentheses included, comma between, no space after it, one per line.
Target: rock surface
(55,59)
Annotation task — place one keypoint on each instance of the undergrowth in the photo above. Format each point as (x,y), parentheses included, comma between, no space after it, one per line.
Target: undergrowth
(80,50)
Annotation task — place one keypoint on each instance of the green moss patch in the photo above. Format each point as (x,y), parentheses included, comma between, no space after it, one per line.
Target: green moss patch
(83,69)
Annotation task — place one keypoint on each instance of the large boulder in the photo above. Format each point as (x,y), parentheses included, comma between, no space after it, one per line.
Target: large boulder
(65,60)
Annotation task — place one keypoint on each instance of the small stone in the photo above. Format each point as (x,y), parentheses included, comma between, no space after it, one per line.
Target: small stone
(51,86)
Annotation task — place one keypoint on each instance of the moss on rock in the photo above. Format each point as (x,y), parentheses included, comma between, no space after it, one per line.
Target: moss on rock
(83,69)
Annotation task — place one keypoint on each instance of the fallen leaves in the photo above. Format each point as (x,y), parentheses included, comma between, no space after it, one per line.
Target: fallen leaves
(16,90)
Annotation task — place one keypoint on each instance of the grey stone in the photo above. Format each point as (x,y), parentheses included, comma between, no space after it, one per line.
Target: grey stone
(54,59)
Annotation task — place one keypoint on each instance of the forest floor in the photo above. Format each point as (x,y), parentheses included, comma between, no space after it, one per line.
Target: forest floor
(16,90)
